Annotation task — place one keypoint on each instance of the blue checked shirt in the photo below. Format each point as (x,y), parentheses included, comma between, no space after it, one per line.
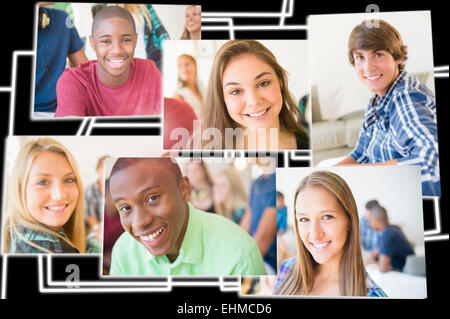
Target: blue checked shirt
(370,238)
(402,125)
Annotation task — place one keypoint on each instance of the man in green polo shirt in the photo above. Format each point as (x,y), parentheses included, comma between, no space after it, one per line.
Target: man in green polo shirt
(165,235)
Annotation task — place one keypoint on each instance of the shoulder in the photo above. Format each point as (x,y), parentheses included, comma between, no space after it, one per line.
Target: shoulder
(83,73)
(56,14)
(285,267)
(410,93)
(222,232)
(373,290)
(124,242)
(287,264)
(146,64)
(176,106)
(44,242)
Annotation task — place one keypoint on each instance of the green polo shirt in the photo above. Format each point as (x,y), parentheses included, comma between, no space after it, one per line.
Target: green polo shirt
(212,246)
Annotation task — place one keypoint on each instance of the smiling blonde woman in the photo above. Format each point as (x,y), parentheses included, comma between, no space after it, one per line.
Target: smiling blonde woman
(45,212)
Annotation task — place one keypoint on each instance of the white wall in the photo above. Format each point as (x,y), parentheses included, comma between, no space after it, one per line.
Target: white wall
(397,188)
(290,54)
(88,149)
(330,69)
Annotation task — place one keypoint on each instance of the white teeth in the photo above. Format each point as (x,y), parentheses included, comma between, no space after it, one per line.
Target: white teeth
(373,77)
(153,235)
(258,114)
(56,208)
(320,245)
(116,62)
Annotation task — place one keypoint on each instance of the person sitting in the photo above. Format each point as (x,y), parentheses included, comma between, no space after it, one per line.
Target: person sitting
(394,247)
(116,84)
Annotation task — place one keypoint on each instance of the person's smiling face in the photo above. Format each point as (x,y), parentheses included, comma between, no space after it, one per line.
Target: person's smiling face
(152,206)
(376,69)
(51,189)
(252,92)
(114,41)
(193,18)
(322,224)
(187,70)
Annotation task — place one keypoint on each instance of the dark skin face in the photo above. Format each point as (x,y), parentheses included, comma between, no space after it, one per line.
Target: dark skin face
(114,41)
(153,207)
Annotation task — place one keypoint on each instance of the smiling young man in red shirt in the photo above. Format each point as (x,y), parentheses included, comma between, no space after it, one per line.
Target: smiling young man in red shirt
(116,84)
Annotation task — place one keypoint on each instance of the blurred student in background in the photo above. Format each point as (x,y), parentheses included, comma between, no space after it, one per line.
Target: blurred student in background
(369,237)
(193,25)
(260,217)
(201,186)
(230,195)
(57,41)
(93,200)
(189,87)
(393,246)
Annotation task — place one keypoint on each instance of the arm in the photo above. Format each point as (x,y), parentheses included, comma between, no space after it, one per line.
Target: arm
(348,160)
(384,263)
(77,58)
(266,231)
(245,221)
(414,120)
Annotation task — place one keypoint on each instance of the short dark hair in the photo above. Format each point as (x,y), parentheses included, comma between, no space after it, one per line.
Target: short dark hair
(111,12)
(380,213)
(383,37)
(372,203)
(148,163)
(280,194)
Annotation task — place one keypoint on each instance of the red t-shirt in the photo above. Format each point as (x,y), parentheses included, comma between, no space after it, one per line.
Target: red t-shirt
(80,92)
(177,114)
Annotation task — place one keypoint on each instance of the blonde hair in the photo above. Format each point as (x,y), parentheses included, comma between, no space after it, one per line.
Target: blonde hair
(215,113)
(17,213)
(239,197)
(300,278)
(186,35)
(180,82)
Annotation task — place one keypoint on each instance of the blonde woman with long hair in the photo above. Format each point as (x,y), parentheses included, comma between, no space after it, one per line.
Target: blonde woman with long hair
(45,212)
(329,260)
(230,195)
(193,24)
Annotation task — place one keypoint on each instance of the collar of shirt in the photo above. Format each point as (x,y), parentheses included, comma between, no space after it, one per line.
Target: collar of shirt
(378,107)
(191,250)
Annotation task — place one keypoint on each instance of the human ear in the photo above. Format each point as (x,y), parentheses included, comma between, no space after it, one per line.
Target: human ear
(91,40)
(185,188)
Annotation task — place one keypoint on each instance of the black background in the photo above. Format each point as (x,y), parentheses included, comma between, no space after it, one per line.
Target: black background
(17,34)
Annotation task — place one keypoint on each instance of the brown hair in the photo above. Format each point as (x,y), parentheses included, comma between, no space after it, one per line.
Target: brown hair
(215,114)
(382,37)
(300,278)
